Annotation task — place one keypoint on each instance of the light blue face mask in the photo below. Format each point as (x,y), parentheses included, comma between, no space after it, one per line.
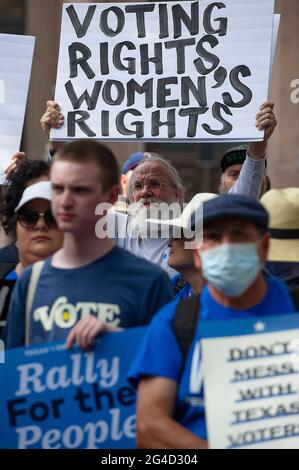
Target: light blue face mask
(231,267)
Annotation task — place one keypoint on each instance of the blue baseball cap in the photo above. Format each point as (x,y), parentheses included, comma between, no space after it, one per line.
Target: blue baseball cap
(132,162)
(227,206)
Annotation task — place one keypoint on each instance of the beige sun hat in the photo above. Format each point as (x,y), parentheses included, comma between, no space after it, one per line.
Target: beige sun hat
(283,208)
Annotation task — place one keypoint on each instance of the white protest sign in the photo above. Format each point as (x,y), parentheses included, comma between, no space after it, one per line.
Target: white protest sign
(16,54)
(181,71)
(251,383)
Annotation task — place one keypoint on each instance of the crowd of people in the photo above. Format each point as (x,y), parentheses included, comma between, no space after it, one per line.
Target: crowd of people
(76,277)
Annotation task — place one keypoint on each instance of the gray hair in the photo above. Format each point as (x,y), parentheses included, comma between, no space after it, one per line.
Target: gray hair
(174,176)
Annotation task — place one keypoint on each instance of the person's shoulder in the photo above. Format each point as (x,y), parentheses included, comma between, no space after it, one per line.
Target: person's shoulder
(116,227)
(26,274)
(9,254)
(278,292)
(205,294)
(115,216)
(280,296)
(167,313)
(275,284)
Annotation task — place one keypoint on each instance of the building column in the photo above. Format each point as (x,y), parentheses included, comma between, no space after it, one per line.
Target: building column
(43,22)
(283,150)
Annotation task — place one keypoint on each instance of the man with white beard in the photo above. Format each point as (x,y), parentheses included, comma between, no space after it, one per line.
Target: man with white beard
(154,182)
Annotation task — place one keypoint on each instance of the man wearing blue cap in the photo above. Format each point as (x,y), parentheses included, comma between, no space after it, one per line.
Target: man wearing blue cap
(231,257)
(127,169)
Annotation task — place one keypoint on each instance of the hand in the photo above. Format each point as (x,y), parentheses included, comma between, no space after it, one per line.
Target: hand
(13,164)
(265,120)
(51,118)
(86,331)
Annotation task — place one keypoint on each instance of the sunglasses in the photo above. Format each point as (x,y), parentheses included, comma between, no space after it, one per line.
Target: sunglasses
(28,218)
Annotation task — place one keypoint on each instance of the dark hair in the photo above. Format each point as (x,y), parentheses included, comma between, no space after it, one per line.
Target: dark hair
(83,151)
(29,170)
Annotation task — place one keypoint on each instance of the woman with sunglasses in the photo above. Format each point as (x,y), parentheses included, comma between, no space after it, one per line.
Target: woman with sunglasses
(19,176)
(37,235)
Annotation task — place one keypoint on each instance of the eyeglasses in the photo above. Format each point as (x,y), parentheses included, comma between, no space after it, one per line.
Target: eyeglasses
(28,218)
(151,184)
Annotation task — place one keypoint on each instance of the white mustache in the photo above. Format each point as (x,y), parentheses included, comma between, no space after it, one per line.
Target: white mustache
(151,200)
(139,213)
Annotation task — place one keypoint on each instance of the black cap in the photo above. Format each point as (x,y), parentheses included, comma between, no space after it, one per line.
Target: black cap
(234,156)
(227,206)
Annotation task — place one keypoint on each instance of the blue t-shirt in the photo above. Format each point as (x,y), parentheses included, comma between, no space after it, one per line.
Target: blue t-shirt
(119,288)
(159,355)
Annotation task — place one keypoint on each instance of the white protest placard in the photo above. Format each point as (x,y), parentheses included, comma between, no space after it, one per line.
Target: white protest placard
(251,382)
(178,71)
(16,54)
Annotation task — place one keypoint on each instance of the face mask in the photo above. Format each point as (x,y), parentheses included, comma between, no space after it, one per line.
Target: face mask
(231,267)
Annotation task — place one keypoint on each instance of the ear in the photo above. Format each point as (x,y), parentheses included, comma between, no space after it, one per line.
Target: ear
(264,247)
(123,183)
(221,184)
(196,258)
(112,194)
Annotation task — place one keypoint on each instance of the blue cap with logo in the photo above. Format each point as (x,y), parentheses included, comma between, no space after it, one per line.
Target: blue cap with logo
(227,206)
(132,162)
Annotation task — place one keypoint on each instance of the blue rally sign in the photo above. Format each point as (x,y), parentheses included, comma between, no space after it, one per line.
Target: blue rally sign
(53,398)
